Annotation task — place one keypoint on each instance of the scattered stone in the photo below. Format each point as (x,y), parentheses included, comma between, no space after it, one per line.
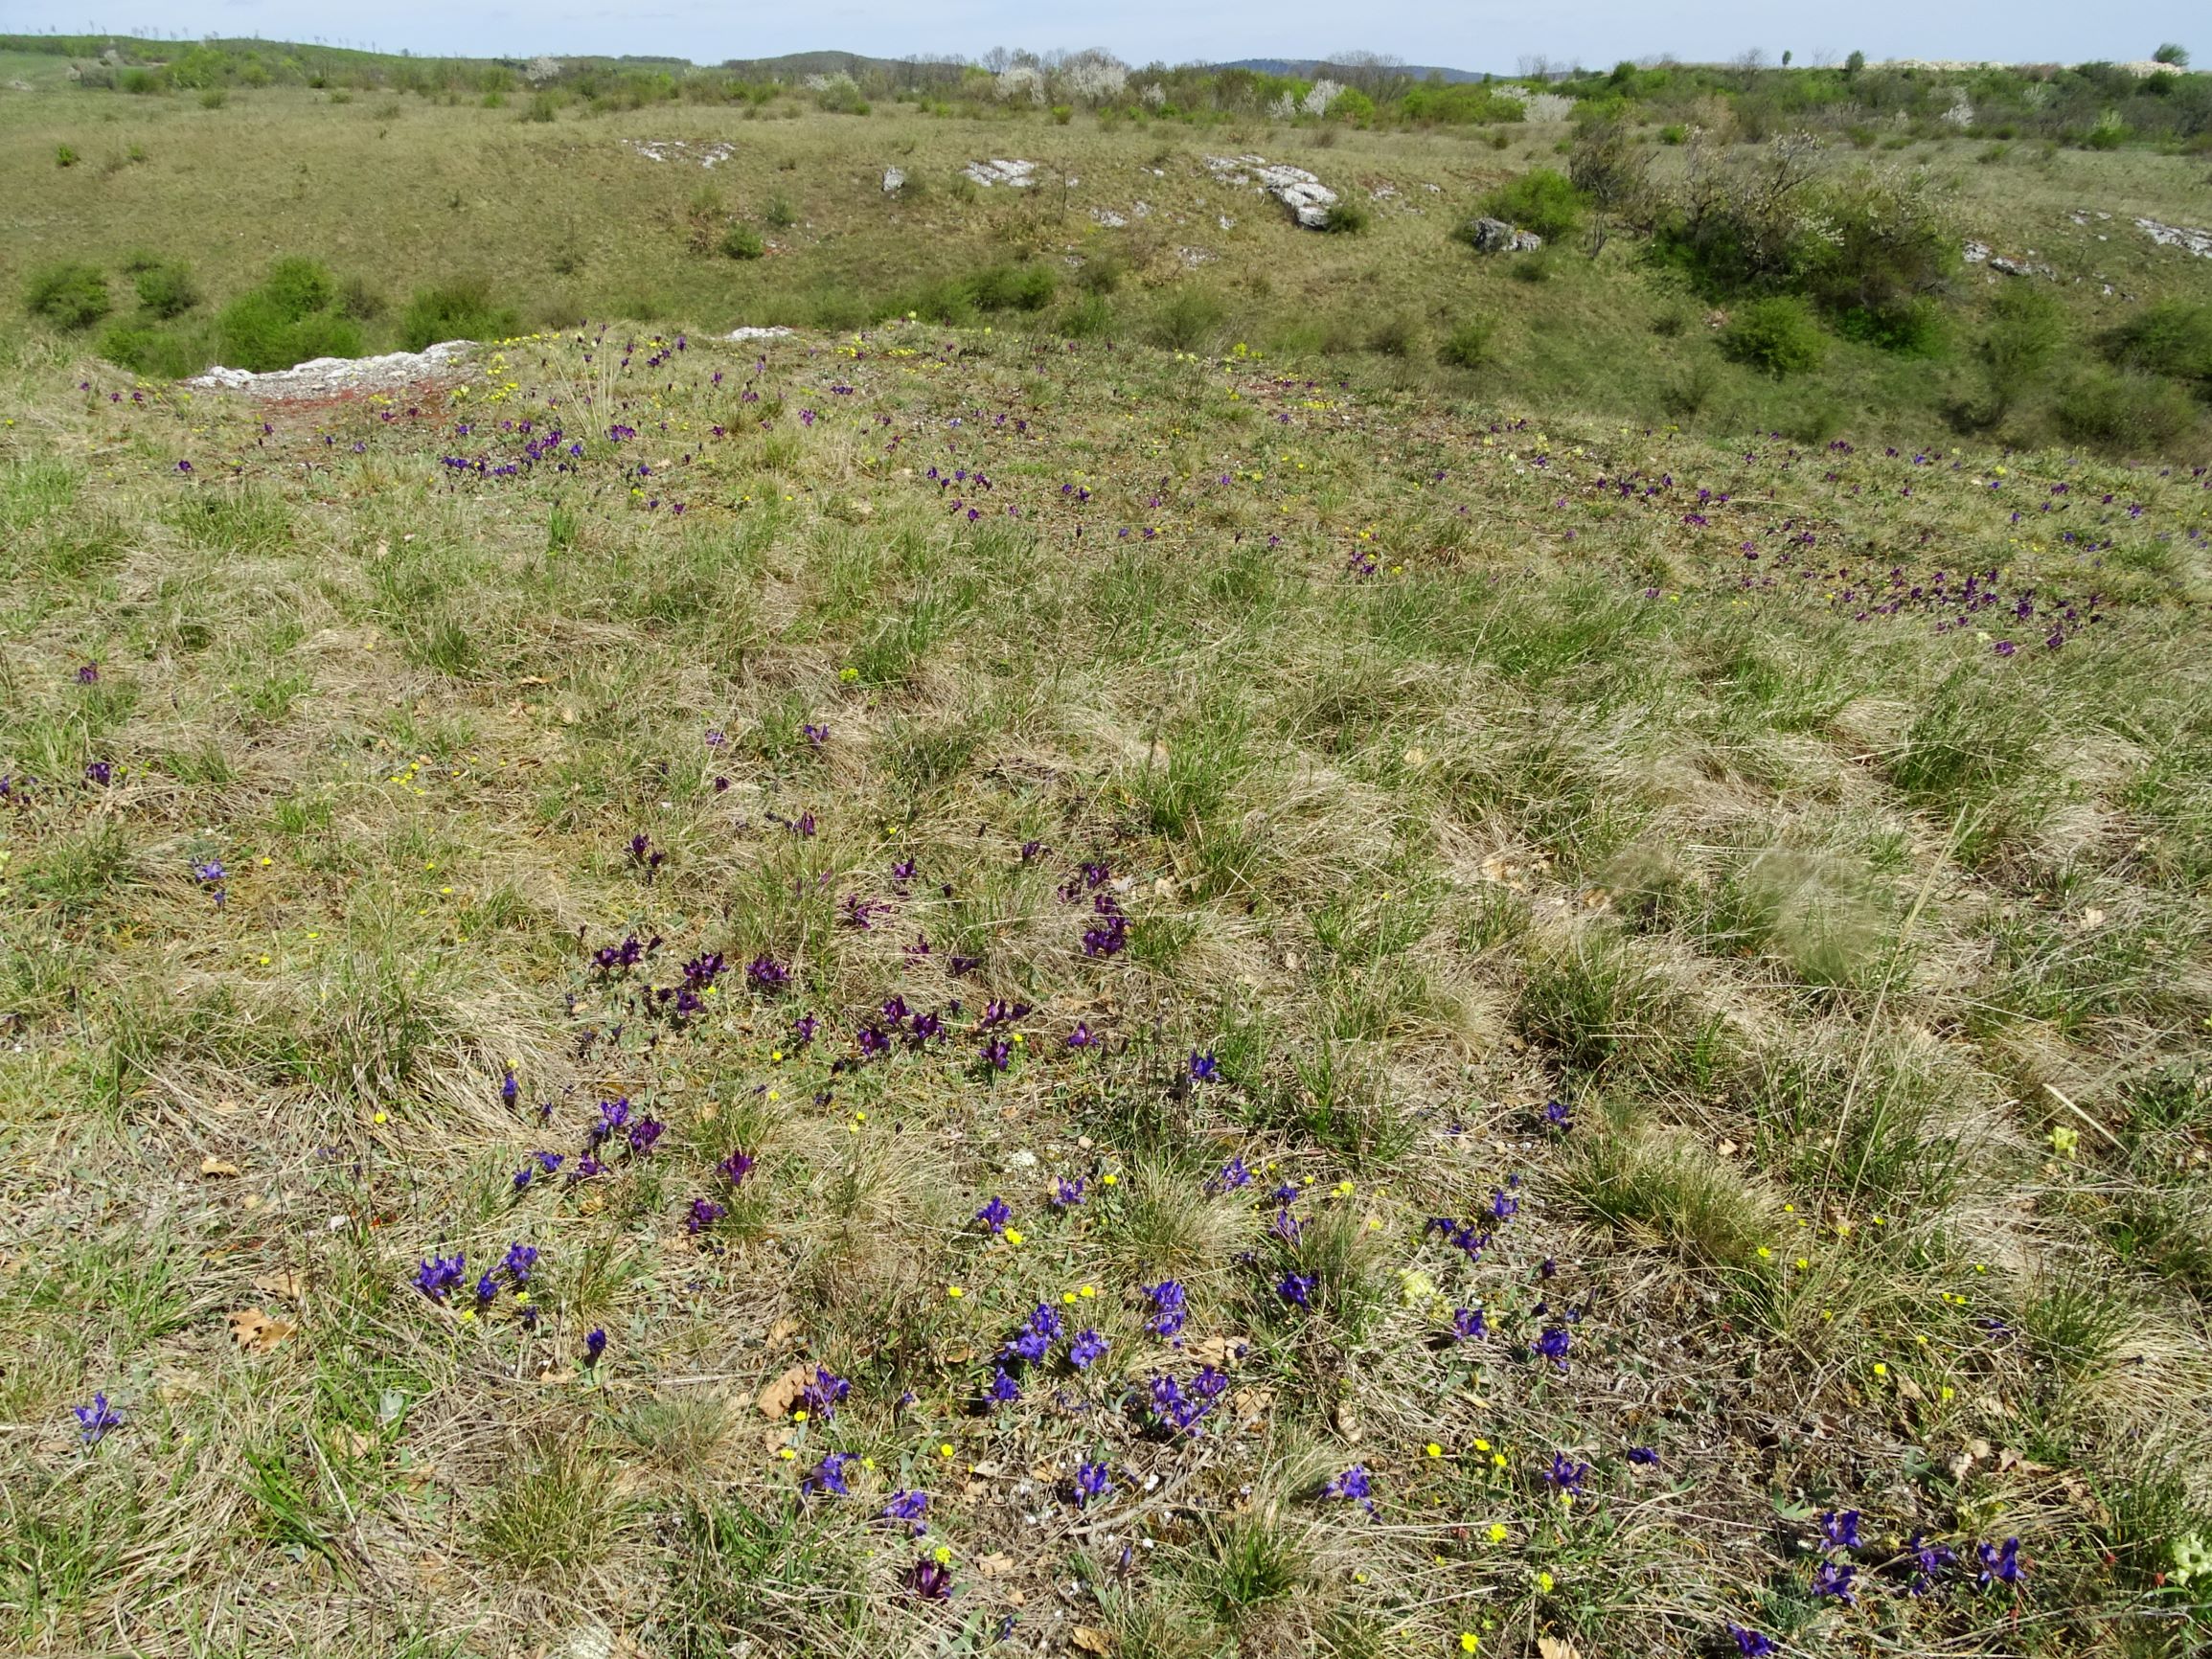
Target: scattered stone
(677,150)
(774,332)
(894,180)
(1013,175)
(1496,237)
(323,376)
(1306,198)
(2196,241)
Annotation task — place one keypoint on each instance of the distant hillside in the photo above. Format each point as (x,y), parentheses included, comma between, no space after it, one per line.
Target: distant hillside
(1308,66)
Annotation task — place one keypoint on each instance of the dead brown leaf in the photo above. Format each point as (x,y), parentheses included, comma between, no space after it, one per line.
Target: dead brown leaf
(1091,1640)
(286,1282)
(1556,1648)
(995,1565)
(786,1391)
(211,1165)
(255,1332)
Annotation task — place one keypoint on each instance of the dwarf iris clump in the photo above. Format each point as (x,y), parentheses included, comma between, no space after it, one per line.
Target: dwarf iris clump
(1354,1486)
(929,1579)
(1175,1405)
(2000,1564)
(825,1392)
(94,1422)
(829,1474)
(439,1276)
(1170,1306)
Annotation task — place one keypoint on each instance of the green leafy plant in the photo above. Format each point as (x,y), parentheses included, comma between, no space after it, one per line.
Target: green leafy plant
(69,296)
(1778,335)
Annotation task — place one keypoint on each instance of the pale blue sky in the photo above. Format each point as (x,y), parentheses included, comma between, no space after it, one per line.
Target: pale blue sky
(1471,34)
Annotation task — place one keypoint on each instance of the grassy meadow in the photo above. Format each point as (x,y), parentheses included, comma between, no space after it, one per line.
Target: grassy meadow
(1140,975)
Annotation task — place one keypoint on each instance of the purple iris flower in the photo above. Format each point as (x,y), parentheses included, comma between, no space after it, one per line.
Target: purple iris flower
(95,1420)
(1354,1486)
(1169,1308)
(438,1277)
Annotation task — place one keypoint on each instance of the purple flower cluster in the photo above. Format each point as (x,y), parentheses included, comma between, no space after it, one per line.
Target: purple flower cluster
(1182,1407)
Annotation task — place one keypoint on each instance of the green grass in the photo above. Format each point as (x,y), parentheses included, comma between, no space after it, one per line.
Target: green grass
(1363,752)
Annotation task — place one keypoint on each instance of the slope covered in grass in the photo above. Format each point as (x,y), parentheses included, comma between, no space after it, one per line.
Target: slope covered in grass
(876,990)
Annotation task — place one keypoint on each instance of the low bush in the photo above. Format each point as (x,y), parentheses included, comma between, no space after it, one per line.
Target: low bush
(69,296)
(1090,316)
(741,241)
(1778,335)
(1468,344)
(166,289)
(2026,332)
(1345,218)
(1542,200)
(1394,336)
(1913,328)
(1186,320)
(290,318)
(156,352)
(2129,412)
(258,334)
(457,310)
(2173,337)
(1012,288)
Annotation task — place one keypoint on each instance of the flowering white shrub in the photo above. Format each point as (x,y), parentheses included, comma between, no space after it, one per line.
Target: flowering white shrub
(1019,82)
(1320,96)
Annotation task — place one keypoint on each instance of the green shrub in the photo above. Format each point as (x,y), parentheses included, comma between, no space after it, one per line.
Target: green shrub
(2133,413)
(1186,319)
(1394,336)
(543,107)
(214,98)
(258,331)
(1011,288)
(358,300)
(2026,332)
(1088,317)
(1778,335)
(64,156)
(297,286)
(457,310)
(157,353)
(1345,218)
(166,289)
(1544,201)
(1468,344)
(2173,337)
(780,213)
(1915,328)
(69,296)
(741,241)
